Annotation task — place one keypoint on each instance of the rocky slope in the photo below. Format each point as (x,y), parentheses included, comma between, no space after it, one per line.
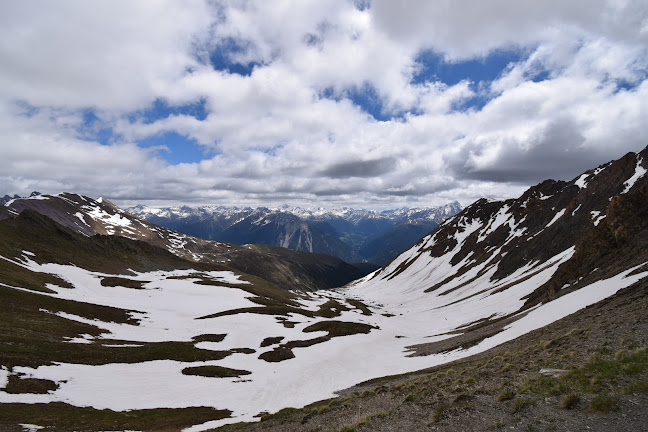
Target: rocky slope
(349,234)
(280,266)
(594,225)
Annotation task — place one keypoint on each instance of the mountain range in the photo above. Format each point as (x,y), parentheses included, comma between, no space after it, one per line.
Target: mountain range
(527,313)
(89,217)
(350,234)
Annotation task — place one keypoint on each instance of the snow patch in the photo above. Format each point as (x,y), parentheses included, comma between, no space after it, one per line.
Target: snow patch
(639,172)
(564,306)
(597,217)
(169,308)
(4,376)
(576,209)
(80,216)
(581,182)
(556,217)
(82,339)
(30,427)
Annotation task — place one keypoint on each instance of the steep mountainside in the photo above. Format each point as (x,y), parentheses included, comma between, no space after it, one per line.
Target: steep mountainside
(349,234)
(597,219)
(286,268)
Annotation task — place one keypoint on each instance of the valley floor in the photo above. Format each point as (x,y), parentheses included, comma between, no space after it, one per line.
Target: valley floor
(604,348)
(203,349)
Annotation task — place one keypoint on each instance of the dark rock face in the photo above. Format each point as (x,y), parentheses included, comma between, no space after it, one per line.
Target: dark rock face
(602,215)
(5,199)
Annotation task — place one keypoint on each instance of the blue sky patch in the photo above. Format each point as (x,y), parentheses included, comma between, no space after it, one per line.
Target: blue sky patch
(94,129)
(433,67)
(476,102)
(369,100)
(222,58)
(161,109)
(181,149)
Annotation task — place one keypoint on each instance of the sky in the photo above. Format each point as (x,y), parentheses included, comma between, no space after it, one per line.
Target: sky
(374,104)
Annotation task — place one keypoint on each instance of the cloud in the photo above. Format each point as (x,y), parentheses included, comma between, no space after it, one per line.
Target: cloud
(368,168)
(287,127)
(112,55)
(473,28)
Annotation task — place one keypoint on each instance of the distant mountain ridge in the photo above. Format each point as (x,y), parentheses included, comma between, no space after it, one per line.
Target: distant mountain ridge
(353,235)
(285,268)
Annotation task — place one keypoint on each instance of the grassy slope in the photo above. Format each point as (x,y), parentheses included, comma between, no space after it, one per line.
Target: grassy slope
(53,243)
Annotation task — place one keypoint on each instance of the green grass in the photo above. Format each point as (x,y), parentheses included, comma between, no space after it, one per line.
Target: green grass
(32,337)
(17,276)
(604,404)
(333,328)
(256,286)
(331,309)
(281,414)
(636,387)
(505,395)
(442,410)
(366,422)
(278,354)
(271,341)
(437,415)
(570,401)
(209,338)
(520,404)
(605,372)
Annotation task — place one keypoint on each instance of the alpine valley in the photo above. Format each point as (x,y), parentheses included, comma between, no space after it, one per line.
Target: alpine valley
(349,234)
(525,314)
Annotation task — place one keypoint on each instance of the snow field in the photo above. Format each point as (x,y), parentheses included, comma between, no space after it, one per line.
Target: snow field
(168,308)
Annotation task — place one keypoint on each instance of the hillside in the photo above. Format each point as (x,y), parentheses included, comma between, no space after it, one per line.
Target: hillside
(553,279)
